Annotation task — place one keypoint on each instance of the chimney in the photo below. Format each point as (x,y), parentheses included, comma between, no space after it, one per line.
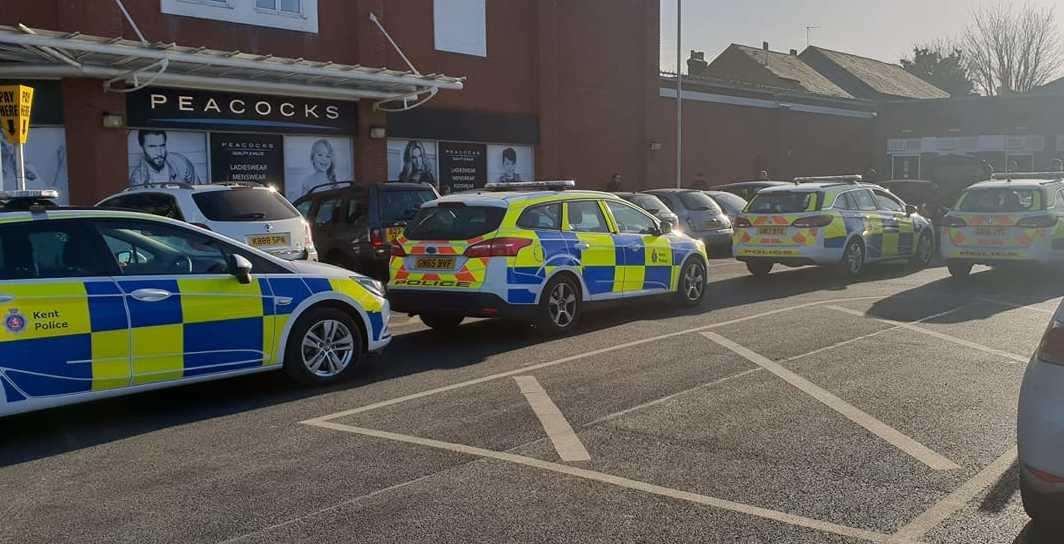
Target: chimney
(697,65)
(794,52)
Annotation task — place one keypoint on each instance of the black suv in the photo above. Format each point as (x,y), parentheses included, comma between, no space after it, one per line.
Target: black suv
(353,224)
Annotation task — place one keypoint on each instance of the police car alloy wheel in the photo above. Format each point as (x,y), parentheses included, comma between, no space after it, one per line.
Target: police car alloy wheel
(323,347)
(854,258)
(692,287)
(560,305)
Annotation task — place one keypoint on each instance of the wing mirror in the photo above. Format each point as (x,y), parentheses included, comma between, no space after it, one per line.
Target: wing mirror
(240,267)
(911,209)
(665,227)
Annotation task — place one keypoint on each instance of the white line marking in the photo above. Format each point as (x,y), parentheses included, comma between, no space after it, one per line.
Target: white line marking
(577,357)
(939,335)
(943,509)
(566,443)
(867,336)
(904,443)
(662,400)
(618,481)
(1017,306)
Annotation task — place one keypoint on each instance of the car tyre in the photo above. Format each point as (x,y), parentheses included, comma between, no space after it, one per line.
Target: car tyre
(325,346)
(559,306)
(691,290)
(854,258)
(1046,520)
(442,322)
(959,270)
(925,251)
(760,270)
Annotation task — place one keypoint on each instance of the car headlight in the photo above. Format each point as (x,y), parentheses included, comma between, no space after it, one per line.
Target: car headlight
(371,285)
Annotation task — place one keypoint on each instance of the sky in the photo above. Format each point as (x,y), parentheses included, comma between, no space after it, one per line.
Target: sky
(882,30)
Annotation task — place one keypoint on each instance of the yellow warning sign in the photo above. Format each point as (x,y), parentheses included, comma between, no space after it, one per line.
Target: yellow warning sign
(16,102)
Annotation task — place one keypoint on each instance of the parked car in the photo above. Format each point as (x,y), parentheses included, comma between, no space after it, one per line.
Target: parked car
(538,252)
(1040,429)
(355,224)
(700,217)
(731,203)
(747,189)
(246,212)
(152,302)
(652,204)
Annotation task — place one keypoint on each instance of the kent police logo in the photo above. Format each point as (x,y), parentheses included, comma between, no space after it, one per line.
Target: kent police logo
(15,322)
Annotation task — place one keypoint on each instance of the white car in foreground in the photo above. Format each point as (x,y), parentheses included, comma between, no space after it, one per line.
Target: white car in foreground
(1040,429)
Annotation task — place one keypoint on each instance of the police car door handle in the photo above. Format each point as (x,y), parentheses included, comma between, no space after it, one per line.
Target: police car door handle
(4,299)
(151,295)
(582,245)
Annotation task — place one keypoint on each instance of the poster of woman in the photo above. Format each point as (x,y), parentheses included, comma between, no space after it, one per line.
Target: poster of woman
(315,160)
(412,161)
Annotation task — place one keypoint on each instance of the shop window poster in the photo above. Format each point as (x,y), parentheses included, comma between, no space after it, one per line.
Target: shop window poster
(412,161)
(255,158)
(510,164)
(46,162)
(463,166)
(159,156)
(315,160)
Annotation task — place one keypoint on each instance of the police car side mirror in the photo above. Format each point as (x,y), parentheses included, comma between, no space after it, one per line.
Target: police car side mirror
(241,268)
(911,209)
(664,227)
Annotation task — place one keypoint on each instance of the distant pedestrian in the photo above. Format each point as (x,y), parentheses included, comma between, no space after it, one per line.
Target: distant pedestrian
(871,175)
(616,184)
(764,175)
(1058,165)
(1014,166)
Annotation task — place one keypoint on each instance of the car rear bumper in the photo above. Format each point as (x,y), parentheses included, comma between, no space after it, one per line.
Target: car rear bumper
(475,304)
(1040,425)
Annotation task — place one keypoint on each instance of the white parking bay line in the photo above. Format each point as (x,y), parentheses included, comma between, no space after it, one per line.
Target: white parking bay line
(904,443)
(566,443)
(936,334)
(955,501)
(626,483)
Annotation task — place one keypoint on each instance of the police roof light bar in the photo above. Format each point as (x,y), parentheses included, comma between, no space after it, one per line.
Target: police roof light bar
(30,194)
(851,179)
(554,185)
(1009,176)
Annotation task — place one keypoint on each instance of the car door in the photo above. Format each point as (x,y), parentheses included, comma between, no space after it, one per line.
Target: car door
(898,226)
(188,315)
(65,329)
(594,246)
(644,256)
(874,220)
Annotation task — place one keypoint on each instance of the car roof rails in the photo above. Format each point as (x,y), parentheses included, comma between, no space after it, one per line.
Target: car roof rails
(238,184)
(546,185)
(1049,177)
(33,200)
(315,188)
(160,185)
(852,179)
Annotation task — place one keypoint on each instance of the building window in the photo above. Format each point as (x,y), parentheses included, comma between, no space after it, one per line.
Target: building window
(460,26)
(298,15)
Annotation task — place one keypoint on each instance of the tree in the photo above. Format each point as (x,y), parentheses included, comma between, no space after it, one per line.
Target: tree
(942,65)
(1012,50)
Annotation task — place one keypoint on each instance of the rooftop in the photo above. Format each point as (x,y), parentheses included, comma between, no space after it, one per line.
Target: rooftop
(883,77)
(794,69)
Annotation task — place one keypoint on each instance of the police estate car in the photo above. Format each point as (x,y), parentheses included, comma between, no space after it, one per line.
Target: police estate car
(98,303)
(830,221)
(1011,218)
(537,252)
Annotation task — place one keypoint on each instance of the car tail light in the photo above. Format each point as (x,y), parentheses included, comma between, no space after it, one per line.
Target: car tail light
(398,251)
(1038,222)
(953,221)
(1051,350)
(376,238)
(742,223)
(499,247)
(202,226)
(815,221)
(1047,477)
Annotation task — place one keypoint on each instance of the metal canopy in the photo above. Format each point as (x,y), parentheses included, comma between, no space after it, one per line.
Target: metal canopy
(127,65)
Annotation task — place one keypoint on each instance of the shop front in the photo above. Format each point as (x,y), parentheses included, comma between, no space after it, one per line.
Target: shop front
(45,152)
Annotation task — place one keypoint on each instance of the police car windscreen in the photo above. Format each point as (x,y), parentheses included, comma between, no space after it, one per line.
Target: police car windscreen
(783,202)
(401,206)
(454,222)
(244,205)
(1001,201)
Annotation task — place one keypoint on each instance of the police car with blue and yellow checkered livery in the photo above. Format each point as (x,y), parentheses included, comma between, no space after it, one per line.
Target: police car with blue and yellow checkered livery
(99,303)
(537,252)
(830,221)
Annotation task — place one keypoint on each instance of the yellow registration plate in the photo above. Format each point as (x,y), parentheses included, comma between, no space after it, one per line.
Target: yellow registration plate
(434,263)
(991,231)
(269,240)
(771,231)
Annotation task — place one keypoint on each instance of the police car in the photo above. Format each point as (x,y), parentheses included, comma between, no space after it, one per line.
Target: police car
(1008,219)
(100,303)
(537,252)
(829,221)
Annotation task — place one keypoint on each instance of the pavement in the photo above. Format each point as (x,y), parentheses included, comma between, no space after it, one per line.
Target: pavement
(800,409)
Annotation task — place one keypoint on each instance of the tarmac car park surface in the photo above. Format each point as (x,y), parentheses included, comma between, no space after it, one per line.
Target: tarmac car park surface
(801,408)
